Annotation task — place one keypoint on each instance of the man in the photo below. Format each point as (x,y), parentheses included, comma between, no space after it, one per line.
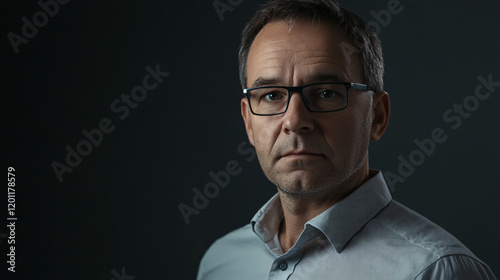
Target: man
(312,78)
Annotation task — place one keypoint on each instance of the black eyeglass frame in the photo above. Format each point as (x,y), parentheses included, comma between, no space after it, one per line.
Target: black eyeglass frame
(299,89)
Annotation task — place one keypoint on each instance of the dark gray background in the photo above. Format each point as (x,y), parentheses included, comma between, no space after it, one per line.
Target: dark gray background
(119,207)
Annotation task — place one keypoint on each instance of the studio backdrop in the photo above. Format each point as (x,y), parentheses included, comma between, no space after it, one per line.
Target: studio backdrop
(121,127)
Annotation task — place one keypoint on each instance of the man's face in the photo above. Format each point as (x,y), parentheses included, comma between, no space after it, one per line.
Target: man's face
(300,151)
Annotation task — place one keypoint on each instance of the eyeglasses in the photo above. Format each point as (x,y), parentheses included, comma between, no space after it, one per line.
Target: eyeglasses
(318,97)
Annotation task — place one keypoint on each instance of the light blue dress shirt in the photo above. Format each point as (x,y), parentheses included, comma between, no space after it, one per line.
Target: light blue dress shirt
(367,235)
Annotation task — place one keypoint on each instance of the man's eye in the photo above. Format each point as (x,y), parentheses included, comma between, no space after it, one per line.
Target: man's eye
(327,94)
(273,96)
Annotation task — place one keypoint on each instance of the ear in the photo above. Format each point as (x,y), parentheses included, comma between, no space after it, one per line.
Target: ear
(381,109)
(245,113)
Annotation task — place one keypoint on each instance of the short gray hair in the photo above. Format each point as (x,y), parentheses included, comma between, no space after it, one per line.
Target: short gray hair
(364,39)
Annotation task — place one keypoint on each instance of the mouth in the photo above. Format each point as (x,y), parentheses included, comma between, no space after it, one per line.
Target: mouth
(300,155)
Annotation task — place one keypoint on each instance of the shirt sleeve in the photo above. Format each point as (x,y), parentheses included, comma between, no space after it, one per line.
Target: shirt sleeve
(457,267)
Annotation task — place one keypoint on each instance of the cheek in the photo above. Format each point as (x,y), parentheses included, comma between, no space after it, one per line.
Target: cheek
(265,133)
(346,136)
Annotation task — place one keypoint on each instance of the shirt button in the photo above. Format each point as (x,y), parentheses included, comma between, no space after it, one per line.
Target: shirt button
(283,266)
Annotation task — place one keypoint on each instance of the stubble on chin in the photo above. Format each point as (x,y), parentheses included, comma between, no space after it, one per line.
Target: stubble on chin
(302,187)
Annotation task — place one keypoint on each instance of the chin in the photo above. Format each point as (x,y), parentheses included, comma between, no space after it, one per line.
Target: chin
(300,183)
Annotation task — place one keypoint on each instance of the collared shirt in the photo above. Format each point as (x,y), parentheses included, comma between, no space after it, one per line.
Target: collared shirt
(367,235)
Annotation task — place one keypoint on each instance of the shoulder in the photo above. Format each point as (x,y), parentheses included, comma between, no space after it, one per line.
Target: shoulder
(416,230)
(456,267)
(226,244)
(434,251)
(233,251)
(237,237)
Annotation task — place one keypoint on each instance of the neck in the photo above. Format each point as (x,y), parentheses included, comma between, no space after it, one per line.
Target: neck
(299,209)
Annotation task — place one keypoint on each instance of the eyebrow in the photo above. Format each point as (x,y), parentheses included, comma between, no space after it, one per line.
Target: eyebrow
(262,81)
(316,78)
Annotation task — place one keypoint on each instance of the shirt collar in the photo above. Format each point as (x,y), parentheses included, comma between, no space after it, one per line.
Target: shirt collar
(266,222)
(338,223)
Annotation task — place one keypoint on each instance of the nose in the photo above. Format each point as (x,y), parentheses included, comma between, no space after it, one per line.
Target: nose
(297,119)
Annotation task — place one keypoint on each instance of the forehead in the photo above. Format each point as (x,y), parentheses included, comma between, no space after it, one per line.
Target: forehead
(299,52)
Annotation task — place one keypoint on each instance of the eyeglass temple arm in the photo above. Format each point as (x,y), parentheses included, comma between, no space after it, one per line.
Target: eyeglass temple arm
(360,86)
